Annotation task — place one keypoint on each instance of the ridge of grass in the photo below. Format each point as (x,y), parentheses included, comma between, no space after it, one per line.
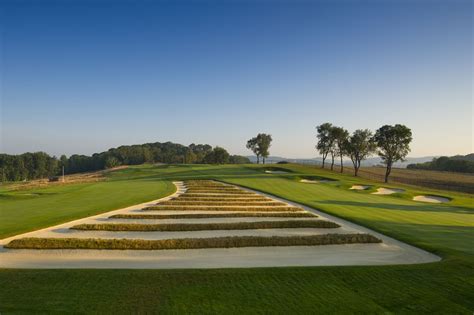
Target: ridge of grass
(173,227)
(220,208)
(191,243)
(216,215)
(222,203)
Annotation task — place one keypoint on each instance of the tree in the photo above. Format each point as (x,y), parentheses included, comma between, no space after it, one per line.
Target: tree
(325,143)
(238,159)
(111,162)
(393,143)
(217,156)
(359,146)
(263,144)
(339,136)
(252,145)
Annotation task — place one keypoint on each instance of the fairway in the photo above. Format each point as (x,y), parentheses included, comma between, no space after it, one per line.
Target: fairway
(444,229)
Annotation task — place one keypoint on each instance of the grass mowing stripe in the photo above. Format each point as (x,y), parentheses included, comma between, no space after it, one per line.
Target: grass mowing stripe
(191,243)
(221,208)
(173,227)
(216,215)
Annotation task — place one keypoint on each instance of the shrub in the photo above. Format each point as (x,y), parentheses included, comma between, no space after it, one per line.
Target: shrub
(172,227)
(215,215)
(191,243)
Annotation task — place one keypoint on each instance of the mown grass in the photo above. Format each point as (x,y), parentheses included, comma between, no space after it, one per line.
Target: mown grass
(293,224)
(217,195)
(191,243)
(220,208)
(216,215)
(218,191)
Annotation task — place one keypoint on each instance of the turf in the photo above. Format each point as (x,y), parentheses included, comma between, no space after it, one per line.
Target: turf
(445,287)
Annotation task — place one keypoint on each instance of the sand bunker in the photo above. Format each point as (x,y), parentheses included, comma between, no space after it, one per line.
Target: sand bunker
(311,181)
(359,187)
(387,191)
(431,199)
(276,172)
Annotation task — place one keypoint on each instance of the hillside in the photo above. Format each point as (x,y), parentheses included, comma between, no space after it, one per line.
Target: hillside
(458,163)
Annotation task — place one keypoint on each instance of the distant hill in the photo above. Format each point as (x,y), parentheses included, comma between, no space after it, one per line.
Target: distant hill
(457,163)
(368,162)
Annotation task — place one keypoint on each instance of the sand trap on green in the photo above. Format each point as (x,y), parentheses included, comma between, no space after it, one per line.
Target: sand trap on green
(359,187)
(311,181)
(387,191)
(431,199)
(276,172)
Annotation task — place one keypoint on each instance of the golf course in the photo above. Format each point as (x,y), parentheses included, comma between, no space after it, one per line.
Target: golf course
(444,230)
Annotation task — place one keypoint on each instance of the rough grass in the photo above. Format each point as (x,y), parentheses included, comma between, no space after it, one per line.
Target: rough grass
(217,191)
(222,203)
(216,215)
(221,199)
(219,195)
(173,227)
(191,243)
(220,208)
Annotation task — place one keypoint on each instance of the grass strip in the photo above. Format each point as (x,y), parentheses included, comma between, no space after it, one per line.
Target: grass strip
(221,208)
(191,243)
(222,203)
(215,191)
(174,227)
(214,195)
(216,215)
(221,199)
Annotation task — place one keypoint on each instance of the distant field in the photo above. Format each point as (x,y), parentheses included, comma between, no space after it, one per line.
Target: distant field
(447,229)
(424,178)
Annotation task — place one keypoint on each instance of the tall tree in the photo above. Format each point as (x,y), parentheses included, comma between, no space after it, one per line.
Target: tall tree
(340,136)
(252,145)
(360,146)
(325,143)
(217,156)
(264,142)
(393,143)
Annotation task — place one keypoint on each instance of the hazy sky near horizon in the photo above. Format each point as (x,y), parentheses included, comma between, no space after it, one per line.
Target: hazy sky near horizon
(84,76)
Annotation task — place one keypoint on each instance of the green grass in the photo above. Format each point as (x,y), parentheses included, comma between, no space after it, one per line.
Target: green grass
(293,224)
(20,212)
(445,287)
(215,215)
(191,243)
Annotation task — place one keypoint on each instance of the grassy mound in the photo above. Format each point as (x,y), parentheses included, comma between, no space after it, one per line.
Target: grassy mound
(173,227)
(221,208)
(191,243)
(216,215)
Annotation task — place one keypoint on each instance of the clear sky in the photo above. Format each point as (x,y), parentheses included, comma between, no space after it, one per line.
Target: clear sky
(84,76)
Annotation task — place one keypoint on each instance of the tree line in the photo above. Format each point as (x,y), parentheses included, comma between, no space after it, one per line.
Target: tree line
(391,143)
(37,165)
(444,163)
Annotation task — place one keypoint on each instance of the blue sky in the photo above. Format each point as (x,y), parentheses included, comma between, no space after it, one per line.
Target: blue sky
(84,76)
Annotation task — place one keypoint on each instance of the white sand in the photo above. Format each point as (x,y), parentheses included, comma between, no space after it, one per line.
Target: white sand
(359,187)
(390,251)
(431,199)
(310,181)
(387,191)
(276,172)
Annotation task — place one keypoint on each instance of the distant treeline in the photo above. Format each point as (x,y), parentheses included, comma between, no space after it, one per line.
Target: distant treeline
(36,165)
(448,164)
